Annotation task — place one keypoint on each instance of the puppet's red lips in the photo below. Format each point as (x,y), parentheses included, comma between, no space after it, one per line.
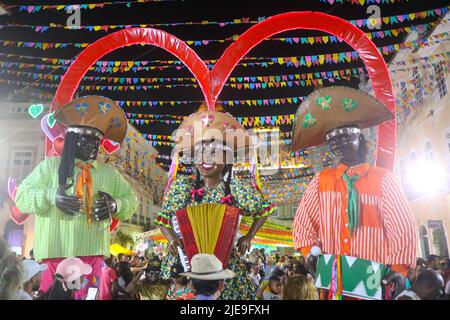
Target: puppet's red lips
(207,166)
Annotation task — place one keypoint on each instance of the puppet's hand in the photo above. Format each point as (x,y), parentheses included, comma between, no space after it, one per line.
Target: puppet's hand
(244,243)
(398,281)
(70,205)
(105,207)
(174,244)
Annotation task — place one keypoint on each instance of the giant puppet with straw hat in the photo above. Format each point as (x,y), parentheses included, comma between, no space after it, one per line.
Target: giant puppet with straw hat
(356,212)
(74,197)
(201,212)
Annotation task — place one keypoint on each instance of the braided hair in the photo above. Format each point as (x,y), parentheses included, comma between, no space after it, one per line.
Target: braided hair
(198,184)
(229,172)
(68,157)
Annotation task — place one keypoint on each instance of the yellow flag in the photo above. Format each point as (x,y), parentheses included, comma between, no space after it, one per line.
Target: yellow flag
(321,59)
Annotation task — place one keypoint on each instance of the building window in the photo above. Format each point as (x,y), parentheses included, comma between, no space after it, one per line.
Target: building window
(441,82)
(143,216)
(22,162)
(424,244)
(136,164)
(439,237)
(418,87)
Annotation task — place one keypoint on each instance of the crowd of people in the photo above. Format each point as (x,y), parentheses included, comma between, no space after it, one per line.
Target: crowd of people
(132,277)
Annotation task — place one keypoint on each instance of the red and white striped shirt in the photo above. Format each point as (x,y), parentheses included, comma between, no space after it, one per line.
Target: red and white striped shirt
(386,231)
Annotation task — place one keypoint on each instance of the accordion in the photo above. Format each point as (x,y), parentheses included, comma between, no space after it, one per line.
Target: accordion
(208,228)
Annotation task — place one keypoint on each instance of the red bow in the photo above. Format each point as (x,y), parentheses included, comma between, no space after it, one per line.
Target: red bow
(226,199)
(200,192)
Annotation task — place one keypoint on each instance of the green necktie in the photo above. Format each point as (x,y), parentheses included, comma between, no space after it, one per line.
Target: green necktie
(352,201)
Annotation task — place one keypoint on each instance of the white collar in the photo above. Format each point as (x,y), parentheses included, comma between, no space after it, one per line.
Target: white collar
(409,293)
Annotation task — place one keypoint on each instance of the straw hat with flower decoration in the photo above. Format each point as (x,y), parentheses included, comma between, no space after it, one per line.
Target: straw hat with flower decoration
(207,125)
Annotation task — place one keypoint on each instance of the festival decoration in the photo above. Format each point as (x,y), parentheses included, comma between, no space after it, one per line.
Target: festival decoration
(110,146)
(388,20)
(18,217)
(227,62)
(35,110)
(12,188)
(51,132)
(58,146)
(51,120)
(115,222)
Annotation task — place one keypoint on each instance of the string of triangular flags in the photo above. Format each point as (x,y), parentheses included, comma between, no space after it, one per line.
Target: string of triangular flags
(296,61)
(239,86)
(388,20)
(137,63)
(288,40)
(337,73)
(83,6)
(421,61)
(91,6)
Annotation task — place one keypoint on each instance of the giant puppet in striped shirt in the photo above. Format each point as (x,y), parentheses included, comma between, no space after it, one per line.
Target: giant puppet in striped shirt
(355,209)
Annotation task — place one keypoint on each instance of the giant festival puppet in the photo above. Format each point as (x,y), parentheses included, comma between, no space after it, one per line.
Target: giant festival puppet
(201,213)
(74,197)
(356,212)
(211,83)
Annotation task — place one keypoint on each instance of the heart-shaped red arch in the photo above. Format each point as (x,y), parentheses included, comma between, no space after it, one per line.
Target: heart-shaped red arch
(353,36)
(116,40)
(126,37)
(212,83)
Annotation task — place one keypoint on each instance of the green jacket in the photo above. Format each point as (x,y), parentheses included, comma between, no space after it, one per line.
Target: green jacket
(57,234)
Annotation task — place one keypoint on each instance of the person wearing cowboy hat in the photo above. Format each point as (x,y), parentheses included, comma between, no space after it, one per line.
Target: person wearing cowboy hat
(74,197)
(212,139)
(355,209)
(207,276)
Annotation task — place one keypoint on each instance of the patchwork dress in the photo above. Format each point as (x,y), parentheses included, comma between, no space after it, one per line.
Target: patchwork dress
(245,196)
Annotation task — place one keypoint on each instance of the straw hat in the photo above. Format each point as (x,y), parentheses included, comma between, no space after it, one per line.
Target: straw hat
(207,267)
(210,126)
(332,107)
(97,112)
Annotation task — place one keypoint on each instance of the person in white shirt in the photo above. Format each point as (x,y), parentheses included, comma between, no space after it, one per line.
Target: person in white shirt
(272,290)
(255,276)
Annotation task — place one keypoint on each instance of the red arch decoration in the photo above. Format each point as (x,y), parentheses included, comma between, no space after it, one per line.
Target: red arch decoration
(113,41)
(353,36)
(212,83)
(126,37)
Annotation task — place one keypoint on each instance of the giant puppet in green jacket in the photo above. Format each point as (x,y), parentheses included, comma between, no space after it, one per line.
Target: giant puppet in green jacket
(74,197)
